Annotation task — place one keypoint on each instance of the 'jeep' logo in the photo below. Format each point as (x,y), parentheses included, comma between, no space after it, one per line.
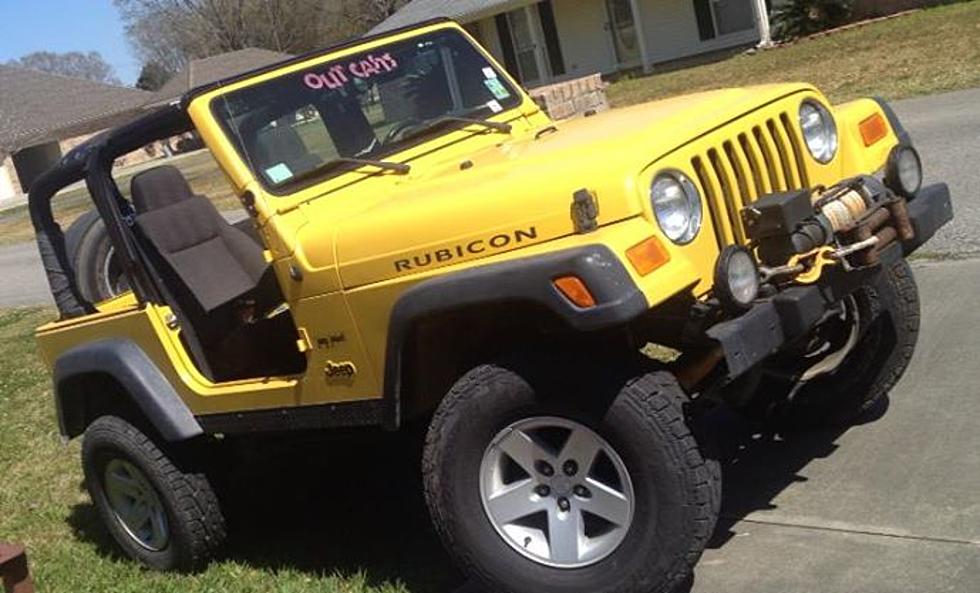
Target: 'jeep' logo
(441,256)
(340,370)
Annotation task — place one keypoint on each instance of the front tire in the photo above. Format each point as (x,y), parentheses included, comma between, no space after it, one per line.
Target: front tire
(889,310)
(158,514)
(642,512)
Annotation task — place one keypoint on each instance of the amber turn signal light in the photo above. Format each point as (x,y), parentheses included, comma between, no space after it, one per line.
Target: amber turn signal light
(576,291)
(873,129)
(647,256)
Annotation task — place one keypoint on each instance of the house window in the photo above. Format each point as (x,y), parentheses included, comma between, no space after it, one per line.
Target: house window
(723,17)
(546,13)
(530,45)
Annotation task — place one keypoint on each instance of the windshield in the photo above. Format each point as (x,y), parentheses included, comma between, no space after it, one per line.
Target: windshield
(294,130)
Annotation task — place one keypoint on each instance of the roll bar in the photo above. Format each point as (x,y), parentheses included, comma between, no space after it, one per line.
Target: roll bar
(92,162)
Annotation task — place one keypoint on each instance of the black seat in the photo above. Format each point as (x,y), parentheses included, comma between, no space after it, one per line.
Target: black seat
(217,263)
(217,279)
(282,145)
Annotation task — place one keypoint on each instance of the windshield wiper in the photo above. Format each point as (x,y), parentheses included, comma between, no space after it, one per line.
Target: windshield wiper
(440,122)
(399,168)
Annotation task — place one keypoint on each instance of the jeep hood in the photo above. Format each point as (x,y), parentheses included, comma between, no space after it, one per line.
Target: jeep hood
(518,192)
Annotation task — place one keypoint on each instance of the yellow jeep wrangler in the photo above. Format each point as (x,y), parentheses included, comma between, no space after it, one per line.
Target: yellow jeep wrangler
(559,302)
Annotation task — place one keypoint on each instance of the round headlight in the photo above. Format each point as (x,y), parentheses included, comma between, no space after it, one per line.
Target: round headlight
(736,278)
(903,173)
(677,204)
(819,131)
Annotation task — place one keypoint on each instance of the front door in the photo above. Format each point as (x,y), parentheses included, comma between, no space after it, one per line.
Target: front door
(623,29)
(527,49)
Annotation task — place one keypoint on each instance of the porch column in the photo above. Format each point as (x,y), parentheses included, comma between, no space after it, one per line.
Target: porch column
(641,37)
(6,183)
(762,22)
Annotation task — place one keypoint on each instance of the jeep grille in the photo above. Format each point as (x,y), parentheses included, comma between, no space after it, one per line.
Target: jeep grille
(765,156)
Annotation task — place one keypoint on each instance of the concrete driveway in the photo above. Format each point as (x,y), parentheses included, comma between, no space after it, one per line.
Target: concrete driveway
(891,506)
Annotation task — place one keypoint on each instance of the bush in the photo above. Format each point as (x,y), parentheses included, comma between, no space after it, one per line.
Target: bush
(798,18)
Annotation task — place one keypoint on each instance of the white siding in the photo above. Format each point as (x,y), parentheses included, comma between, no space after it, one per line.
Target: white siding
(489,38)
(671,30)
(585,43)
(7,190)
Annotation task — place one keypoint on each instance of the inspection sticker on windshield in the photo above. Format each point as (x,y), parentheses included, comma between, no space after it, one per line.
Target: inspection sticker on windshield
(495,106)
(278,173)
(489,72)
(497,88)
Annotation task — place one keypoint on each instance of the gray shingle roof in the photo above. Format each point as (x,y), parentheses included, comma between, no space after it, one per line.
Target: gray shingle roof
(208,70)
(461,10)
(38,107)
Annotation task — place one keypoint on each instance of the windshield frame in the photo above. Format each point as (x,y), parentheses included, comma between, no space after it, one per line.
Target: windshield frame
(517,102)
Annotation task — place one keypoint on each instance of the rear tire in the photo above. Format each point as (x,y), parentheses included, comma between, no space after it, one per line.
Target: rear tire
(159,514)
(675,490)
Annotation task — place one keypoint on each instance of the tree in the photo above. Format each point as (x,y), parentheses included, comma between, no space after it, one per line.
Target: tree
(90,66)
(153,76)
(173,32)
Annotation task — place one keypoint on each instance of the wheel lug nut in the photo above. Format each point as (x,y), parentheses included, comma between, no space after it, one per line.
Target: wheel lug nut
(563,504)
(570,468)
(544,468)
(582,492)
(542,491)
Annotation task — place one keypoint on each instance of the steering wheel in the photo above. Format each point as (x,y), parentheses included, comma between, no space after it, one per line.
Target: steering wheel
(398,129)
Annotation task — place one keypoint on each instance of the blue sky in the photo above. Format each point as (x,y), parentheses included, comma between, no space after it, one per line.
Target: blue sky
(66,25)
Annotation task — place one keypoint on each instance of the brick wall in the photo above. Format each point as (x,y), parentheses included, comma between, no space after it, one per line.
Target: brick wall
(574,97)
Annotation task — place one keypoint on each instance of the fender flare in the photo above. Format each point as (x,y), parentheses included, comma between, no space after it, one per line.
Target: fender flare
(527,280)
(900,132)
(143,383)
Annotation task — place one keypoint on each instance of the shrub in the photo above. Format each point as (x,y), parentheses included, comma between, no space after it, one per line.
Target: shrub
(798,18)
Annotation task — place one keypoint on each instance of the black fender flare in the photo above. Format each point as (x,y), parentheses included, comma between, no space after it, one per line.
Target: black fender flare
(143,383)
(901,133)
(528,280)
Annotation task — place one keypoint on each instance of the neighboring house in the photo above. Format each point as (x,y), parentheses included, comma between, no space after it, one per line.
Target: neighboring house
(207,70)
(555,40)
(43,114)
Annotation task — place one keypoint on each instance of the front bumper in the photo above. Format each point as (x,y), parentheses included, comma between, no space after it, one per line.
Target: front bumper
(767,327)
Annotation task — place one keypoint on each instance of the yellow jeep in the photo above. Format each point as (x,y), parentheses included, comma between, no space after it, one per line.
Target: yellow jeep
(560,302)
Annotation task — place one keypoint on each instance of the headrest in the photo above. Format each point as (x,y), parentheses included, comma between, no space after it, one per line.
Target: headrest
(159,187)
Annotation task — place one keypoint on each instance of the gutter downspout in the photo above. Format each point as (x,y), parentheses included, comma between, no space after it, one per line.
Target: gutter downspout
(762,24)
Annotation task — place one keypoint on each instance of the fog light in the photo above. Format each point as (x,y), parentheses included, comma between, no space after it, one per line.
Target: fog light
(903,173)
(736,279)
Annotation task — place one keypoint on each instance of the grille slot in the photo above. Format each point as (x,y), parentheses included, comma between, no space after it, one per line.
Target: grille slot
(741,167)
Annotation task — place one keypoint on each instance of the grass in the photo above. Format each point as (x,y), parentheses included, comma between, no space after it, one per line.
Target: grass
(929,51)
(332,522)
(199,168)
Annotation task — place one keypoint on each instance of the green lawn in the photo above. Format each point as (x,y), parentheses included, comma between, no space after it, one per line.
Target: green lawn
(933,50)
(340,517)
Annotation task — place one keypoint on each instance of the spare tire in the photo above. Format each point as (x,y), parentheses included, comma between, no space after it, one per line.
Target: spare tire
(91,254)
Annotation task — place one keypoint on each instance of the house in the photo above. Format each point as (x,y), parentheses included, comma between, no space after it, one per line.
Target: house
(42,115)
(555,40)
(204,71)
